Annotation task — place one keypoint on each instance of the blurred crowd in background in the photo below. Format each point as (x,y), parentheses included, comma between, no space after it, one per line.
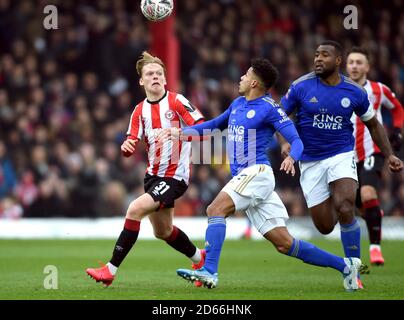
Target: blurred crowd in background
(66,95)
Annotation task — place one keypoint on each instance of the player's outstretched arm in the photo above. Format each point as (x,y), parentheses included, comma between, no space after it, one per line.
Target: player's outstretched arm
(379,136)
(201,129)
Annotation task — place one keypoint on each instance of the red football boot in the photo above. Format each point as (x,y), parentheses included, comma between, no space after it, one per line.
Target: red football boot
(199,265)
(376,257)
(101,274)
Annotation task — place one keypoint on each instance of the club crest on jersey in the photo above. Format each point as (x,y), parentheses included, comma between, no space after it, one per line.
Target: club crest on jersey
(250,114)
(169,115)
(345,102)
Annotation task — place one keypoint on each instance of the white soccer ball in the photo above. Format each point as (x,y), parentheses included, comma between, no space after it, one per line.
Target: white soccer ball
(156,10)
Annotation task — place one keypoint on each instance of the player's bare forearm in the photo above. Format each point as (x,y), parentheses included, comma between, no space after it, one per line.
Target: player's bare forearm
(285,146)
(379,136)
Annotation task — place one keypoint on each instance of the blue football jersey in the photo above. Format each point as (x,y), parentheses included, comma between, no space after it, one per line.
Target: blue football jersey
(251,126)
(323,114)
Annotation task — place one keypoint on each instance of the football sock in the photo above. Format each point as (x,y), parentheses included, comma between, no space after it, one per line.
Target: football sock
(374,246)
(125,242)
(373,217)
(214,238)
(180,242)
(310,254)
(113,269)
(350,237)
(197,256)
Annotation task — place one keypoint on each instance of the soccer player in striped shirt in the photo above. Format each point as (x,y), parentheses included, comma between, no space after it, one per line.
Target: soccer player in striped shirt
(369,158)
(324,101)
(167,174)
(251,120)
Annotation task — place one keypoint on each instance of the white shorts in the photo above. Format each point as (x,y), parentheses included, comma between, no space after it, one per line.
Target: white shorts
(252,191)
(315,176)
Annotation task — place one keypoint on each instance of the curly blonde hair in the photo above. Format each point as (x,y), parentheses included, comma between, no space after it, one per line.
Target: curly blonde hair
(147,58)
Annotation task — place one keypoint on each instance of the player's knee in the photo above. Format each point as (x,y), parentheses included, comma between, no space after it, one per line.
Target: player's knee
(135,211)
(162,234)
(214,210)
(368,193)
(345,206)
(325,228)
(210,209)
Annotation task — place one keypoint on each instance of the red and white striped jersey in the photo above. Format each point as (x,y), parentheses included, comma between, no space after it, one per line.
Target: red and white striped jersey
(170,158)
(378,95)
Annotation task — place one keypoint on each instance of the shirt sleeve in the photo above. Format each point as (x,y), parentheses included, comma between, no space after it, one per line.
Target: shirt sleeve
(135,129)
(289,132)
(277,118)
(364,108)
(187,111)
(290,101)
(220,122)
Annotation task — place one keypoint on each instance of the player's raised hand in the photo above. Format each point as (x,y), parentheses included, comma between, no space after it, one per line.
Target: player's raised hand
(287,165)
(395,164)
(128,147)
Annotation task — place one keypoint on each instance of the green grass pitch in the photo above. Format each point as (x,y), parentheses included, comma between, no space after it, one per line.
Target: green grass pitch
(249,270)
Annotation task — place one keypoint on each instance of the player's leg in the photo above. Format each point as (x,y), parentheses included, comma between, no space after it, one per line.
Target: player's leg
(269,217)
(236,195)
(166,191)
(344,194)
(324,216)
(373,217)
(372,213)
(221,207)
(316,191)
(309,253)
(138,209)
(163,228)
(342,182)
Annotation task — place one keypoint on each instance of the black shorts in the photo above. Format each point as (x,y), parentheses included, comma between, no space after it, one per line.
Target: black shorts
(165,190)
(369,174)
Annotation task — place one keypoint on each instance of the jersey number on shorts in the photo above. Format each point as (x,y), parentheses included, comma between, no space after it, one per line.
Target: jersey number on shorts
(353,165)
(369,163)
(161,188)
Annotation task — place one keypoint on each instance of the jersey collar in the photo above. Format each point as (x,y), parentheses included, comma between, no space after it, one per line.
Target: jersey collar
(157,101)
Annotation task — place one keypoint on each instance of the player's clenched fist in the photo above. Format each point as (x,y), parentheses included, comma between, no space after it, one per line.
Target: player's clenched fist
(128,147)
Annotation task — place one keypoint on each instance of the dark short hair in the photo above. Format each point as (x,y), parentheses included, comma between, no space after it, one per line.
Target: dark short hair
(335,44)
(265,70)
(356,49)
